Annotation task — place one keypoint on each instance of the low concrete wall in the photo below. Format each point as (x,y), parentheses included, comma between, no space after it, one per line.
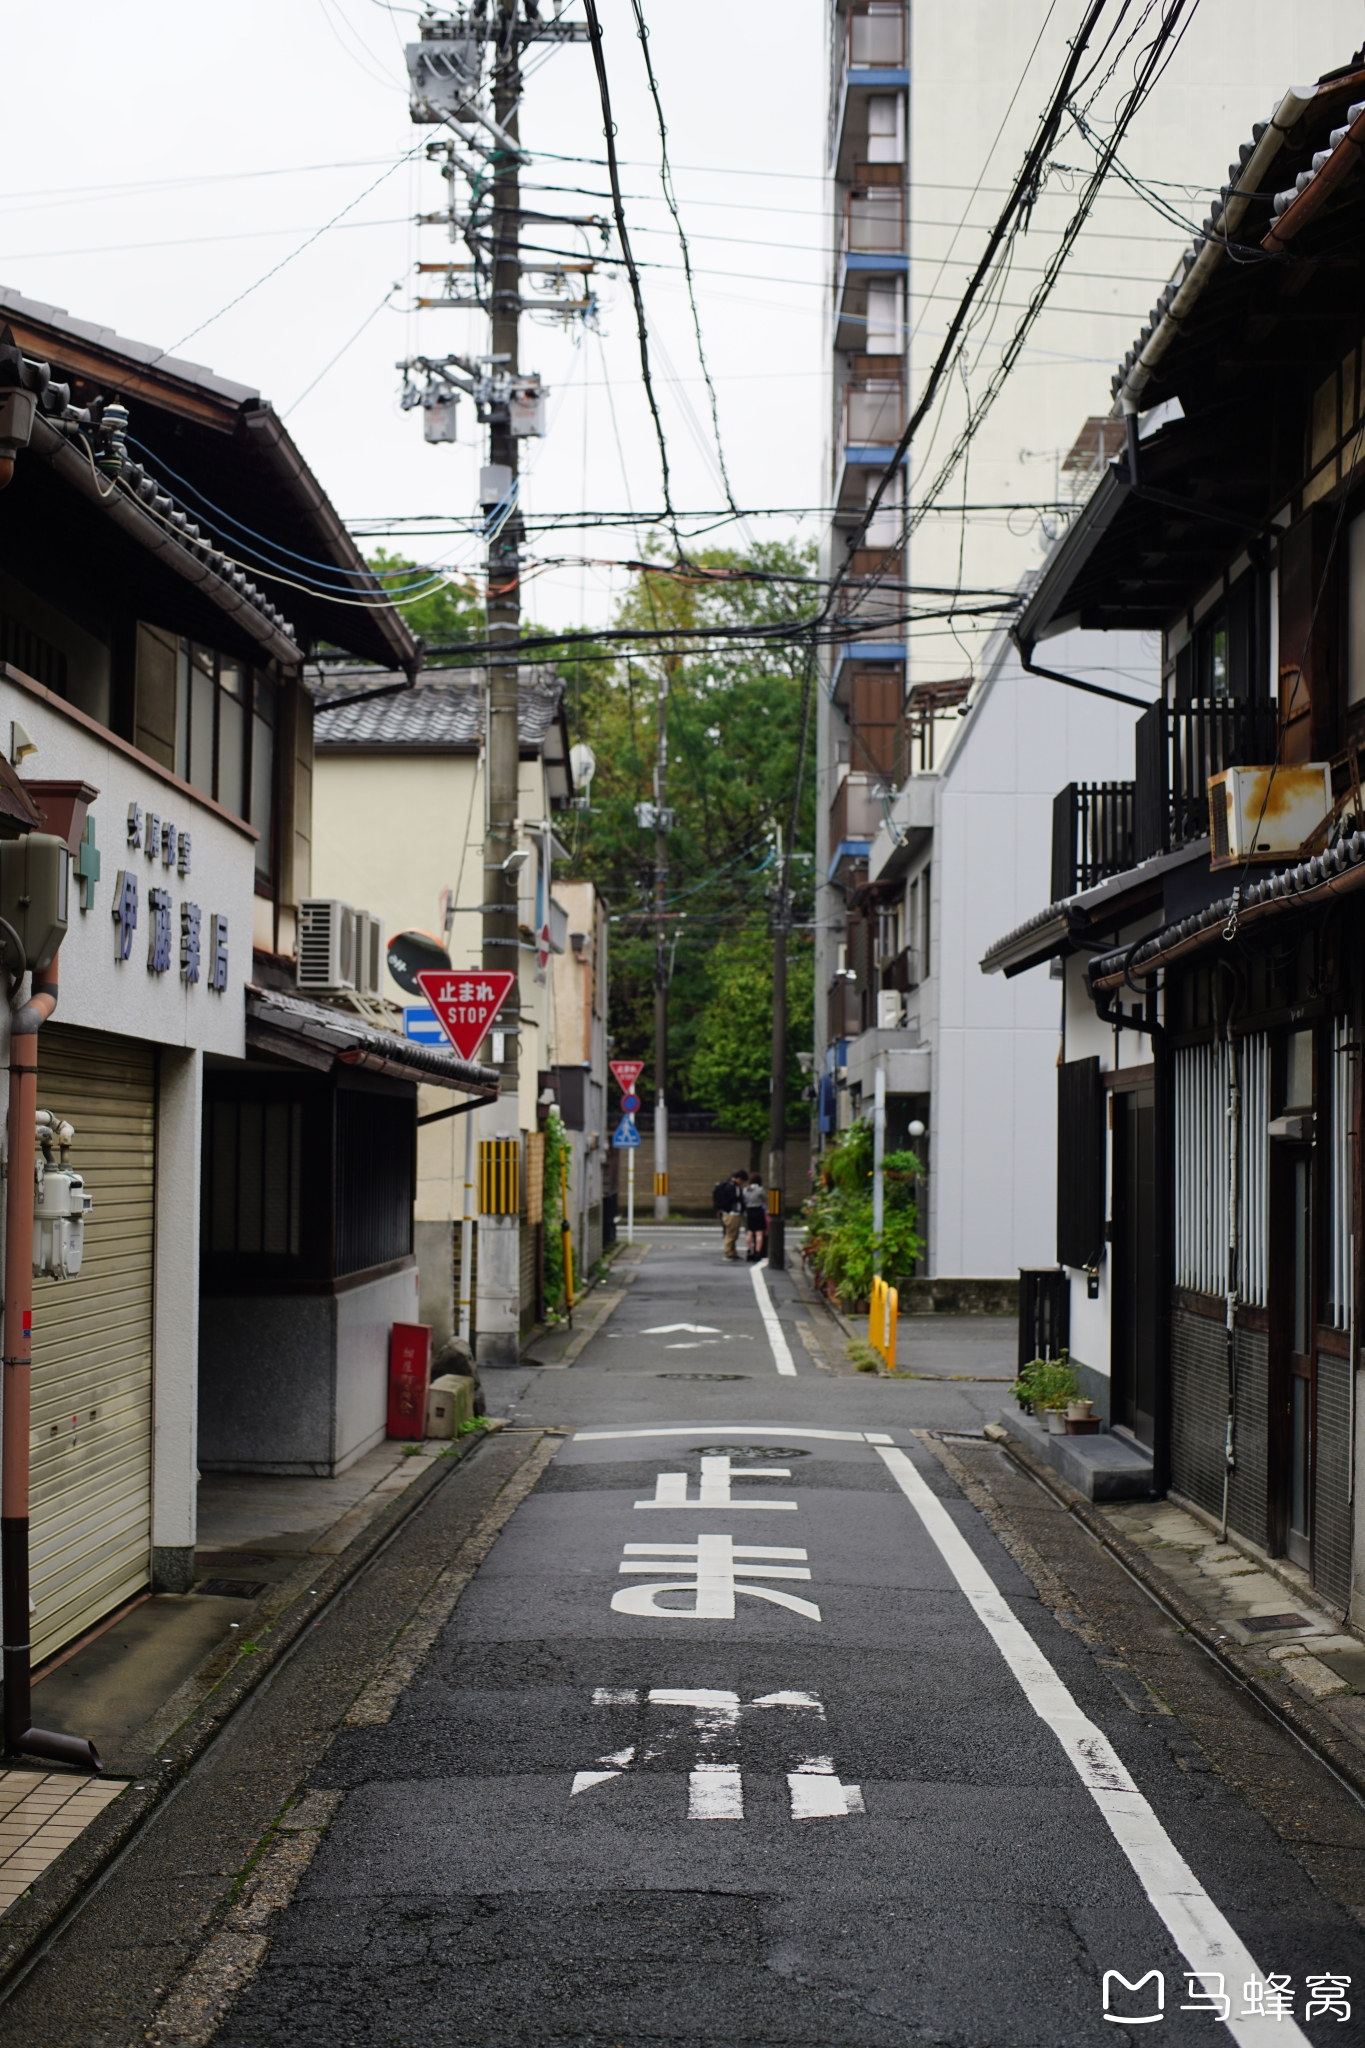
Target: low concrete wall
(298,1383)
(697,1160)
(968,1297)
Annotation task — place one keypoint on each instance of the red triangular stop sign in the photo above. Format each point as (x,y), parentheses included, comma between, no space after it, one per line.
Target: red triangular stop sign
(627,1073)
(465,1002)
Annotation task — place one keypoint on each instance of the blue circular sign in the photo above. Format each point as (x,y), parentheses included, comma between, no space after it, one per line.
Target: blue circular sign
(629,1104)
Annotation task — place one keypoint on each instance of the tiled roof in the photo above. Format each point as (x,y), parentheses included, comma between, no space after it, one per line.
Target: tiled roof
(434,713)
(275,1019)
(1327,874)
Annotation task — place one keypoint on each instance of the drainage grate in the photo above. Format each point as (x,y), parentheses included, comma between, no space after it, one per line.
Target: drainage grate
(1266,1622)
(703,1375)
(233,1589)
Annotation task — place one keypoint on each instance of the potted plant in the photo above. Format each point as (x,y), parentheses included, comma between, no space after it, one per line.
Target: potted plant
(1047,1386)
(1081,1419)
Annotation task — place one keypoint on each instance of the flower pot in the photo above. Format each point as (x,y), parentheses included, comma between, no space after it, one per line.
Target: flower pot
(1079,1411)
(1054,1421)
(1083,1425)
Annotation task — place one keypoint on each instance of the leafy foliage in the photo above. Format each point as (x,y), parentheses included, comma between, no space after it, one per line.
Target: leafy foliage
(839,1246)
(556,1154)
(440,616)
(733,718)
(730,1069)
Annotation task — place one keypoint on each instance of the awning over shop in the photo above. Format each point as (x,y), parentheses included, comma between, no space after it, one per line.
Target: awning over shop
(308,1035)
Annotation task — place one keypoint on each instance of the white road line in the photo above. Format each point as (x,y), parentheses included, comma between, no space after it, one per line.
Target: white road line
(1206,1940)
(734,1430)
(715,1792)
(782,1357)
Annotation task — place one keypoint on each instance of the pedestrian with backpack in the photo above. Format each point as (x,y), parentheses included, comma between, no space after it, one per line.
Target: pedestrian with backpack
(728,1204)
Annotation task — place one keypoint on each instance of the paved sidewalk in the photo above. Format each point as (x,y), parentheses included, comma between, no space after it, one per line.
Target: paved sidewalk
(1259,1616)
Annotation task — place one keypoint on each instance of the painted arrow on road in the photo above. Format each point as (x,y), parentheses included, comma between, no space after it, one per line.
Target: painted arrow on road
(669,1329)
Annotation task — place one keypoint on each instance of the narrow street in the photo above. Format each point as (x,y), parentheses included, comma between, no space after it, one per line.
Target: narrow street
(746,1729)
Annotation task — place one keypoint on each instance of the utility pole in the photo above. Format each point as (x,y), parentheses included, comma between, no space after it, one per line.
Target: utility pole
(446,69)
(661,822)
(777,1128)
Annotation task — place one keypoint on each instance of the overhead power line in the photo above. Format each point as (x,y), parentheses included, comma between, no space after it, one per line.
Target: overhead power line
(666,181)
(1020,195)
(623,236)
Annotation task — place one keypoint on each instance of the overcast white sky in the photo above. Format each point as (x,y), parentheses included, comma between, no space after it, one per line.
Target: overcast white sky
(191,148)
(157,159)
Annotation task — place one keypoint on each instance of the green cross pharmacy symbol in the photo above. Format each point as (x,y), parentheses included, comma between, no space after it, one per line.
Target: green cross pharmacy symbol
(88,864)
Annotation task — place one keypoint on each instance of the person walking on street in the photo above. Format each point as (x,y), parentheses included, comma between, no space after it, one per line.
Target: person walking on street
(755,1217)
(729,1207)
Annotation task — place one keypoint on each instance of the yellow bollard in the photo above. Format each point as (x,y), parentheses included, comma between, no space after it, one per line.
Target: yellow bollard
(873,1333)
(892,1317)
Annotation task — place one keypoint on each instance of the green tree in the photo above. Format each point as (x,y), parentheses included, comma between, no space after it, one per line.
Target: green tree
(730,1069)
(439,616)
(733,718)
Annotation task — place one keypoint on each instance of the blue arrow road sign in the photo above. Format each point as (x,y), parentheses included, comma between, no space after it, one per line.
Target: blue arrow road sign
(419,1024)
(626,1133)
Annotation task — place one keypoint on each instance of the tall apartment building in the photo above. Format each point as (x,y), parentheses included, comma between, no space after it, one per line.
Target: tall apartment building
(938,757)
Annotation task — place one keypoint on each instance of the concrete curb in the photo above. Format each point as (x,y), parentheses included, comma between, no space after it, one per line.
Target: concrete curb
(1312,1727)
(56,1894)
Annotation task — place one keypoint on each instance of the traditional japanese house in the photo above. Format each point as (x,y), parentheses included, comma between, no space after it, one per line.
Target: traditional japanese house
(1209,1226)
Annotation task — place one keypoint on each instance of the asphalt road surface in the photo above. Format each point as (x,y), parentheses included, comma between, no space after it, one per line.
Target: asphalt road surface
(748,1730)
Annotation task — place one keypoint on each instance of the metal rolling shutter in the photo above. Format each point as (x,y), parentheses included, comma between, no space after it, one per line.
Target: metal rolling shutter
(92,1346)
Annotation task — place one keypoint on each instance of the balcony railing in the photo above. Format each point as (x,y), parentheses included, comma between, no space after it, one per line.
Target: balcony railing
(876,34)
(874,221)
(1178,748)
(1092,835)
(856,812)
(874,411)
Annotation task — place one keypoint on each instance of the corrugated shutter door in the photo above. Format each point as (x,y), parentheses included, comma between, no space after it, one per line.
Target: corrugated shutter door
(90,1540)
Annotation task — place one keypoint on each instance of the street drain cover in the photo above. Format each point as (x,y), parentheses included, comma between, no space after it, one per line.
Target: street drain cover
(773,1451)
(703,1375)
(1271,1621)
(233,1589)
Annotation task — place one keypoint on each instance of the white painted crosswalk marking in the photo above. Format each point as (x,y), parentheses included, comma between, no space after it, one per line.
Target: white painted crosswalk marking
(816,1793)
(715,1785)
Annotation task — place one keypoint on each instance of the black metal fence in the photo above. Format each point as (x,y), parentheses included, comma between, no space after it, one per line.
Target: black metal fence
(1178,748)
(1044,1313)
(1092,835)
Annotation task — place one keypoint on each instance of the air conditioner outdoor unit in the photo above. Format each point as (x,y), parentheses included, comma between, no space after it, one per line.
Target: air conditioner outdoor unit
(888,1009)
(327,943)
(369,953)
(1266,813)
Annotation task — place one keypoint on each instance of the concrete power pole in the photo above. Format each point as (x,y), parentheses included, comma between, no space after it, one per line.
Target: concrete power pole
(498,1311)
(661,822)
(777,1127)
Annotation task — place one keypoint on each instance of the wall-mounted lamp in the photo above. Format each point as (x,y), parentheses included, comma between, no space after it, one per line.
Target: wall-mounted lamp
(516,860)
(579,942)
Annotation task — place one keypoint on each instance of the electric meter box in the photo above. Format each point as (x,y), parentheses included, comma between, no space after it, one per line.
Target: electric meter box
(35,874)
(60,1207)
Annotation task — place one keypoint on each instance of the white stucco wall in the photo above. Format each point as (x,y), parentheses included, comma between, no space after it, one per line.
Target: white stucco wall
(994,1116)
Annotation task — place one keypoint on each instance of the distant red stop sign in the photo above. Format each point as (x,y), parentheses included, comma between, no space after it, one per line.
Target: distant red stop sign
(466,1003)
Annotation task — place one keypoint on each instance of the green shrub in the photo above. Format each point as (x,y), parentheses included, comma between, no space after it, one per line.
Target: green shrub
(839,1245)
(1047,1383)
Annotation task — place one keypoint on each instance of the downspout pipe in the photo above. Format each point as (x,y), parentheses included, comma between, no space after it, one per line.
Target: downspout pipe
(21,1737)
